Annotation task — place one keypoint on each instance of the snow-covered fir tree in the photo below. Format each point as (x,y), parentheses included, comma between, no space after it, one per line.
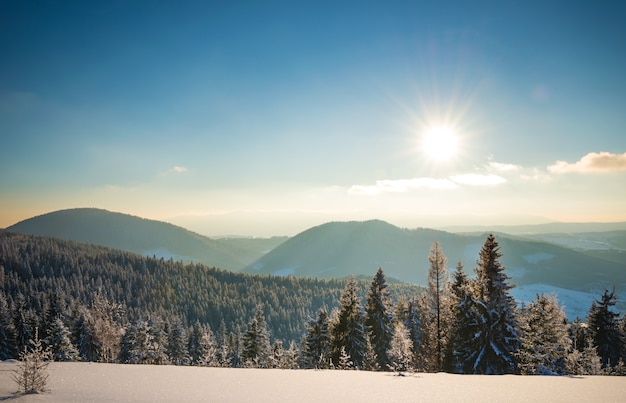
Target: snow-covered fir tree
(59,341)
(157,347)
(88,346)
(176,348)
(583,362)
(316,345)
(400,349)
(31,373)
(7,335)
(462,318)
(543,337)
(135,343)
(491,321)
(408,314)
(347,329)
(604,327)
(223,354)
(107,329)
(379,319)
(208,349)
(193,343)
(256,342)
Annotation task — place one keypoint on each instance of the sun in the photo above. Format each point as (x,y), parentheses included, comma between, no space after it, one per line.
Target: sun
(440,143)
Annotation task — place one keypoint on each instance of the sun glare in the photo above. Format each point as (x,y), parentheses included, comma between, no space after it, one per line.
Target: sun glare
(440,143)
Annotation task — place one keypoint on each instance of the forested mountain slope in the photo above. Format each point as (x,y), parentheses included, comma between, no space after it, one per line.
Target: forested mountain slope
(339,249)
(145,237)
(35,270)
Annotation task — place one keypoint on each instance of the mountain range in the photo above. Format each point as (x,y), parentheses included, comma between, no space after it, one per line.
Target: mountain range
(574,265)
(146,237)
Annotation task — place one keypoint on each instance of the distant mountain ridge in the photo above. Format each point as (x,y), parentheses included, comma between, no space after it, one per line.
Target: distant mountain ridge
(564,263)
(338,249)
(341,249)
(143,236)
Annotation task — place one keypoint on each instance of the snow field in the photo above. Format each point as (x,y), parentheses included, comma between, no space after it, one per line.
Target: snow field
(88,382)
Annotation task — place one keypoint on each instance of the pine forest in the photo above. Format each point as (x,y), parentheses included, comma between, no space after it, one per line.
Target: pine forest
(89,303)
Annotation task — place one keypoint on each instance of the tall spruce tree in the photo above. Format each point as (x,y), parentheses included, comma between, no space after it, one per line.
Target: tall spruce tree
(544,339)
(316,346)
(256,342)
(59,342)
(176,348)
(462,318)
(193,343)
(7,332)
(605,331)
(348,338)
(379,320)
(491,318)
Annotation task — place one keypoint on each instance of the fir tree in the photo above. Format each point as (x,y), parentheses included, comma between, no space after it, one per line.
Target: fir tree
(223,354)
(176,350)
(208,349)
(605,331)
(462,318)
(256,342)
(60,343)
(491,318)
(583,362)
(544,339)
(193,345)
(315,350)
(408,314)
(348,330)
(88,346)
(31,374)
(379,319)
(157,342)
(7,331)
(400,354)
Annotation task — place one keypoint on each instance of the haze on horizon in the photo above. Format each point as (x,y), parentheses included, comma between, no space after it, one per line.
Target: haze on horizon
(268,118)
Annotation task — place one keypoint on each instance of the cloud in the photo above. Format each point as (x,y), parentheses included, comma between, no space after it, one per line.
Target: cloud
(504,167)
(592,163)
(179,169)
(401,185)
(478,179)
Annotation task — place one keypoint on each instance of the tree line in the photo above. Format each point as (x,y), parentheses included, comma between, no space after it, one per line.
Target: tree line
(96,304)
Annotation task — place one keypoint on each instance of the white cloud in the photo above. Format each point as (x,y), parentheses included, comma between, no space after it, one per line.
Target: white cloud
(401,185)
(179,169)
(478,179)
(592,162)
(504,167)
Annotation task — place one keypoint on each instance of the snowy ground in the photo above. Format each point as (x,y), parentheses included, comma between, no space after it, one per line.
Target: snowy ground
(85,382)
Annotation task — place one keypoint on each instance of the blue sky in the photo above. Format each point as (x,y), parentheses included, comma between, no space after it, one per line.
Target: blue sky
(268,117)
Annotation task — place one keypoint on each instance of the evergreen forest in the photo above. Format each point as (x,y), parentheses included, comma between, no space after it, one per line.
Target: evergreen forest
(90,303)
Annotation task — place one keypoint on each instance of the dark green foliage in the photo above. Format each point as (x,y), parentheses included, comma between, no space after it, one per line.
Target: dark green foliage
(316,346)
(88,345)
(38,268)
(59,341)
(604,327)
(490,322)
(7,331)
(378,318)
(256,342)
(348,338)
(176,349)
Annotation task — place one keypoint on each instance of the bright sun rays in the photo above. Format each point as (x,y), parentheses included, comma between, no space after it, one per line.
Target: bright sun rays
(440,143)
